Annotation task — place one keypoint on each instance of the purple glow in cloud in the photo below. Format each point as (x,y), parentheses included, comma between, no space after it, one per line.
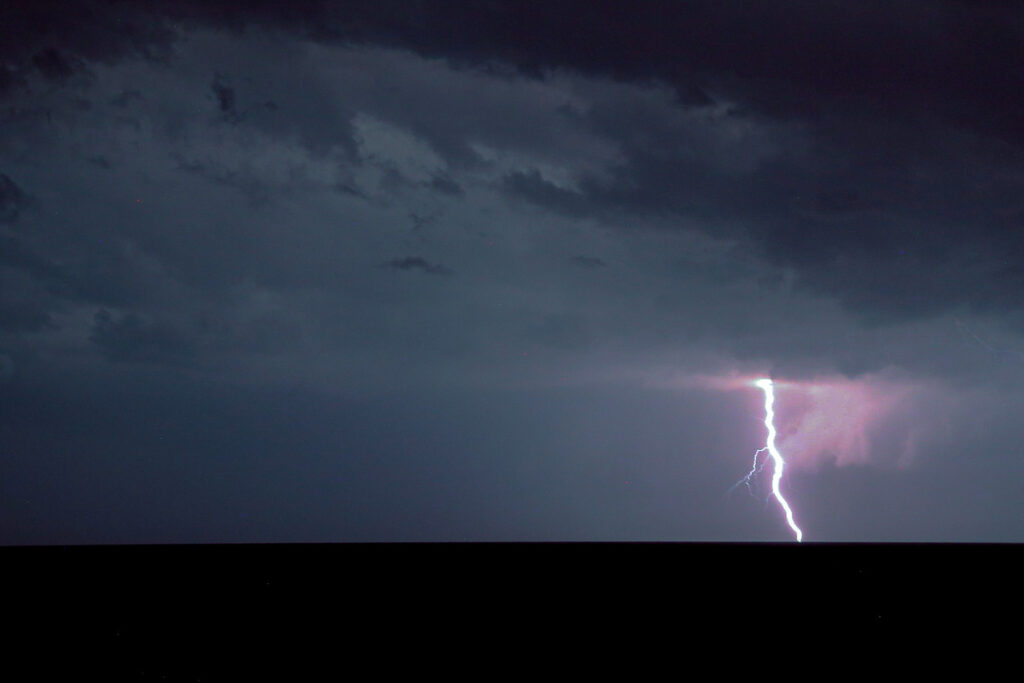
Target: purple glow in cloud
(839,419)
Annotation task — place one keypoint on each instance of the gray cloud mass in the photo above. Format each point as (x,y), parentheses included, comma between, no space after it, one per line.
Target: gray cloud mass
(393,271)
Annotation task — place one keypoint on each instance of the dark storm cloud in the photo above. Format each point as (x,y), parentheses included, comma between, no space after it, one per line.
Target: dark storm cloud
(131,338)
(565,331)
(206,257)
(416,263)
(53,66)
(588,262)
(914,148)
(891,231)
(532,186)
(446,186)
(22,316)
(787,60)
(882,152)
(17,312)
(99,277)
(225,99)
(419,222)
(14,254)
(100,161)
(58,37)
(126,98)
(12,200)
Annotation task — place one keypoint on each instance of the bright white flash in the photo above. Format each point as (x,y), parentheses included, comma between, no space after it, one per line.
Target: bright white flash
(779,463)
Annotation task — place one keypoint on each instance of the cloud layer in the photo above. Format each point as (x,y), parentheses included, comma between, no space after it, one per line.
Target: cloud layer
(592,219)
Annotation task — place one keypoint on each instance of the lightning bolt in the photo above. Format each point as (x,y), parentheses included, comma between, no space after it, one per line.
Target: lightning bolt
(779,464)
(753,470)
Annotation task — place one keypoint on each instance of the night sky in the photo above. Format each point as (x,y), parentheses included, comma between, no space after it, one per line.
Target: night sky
(412,271)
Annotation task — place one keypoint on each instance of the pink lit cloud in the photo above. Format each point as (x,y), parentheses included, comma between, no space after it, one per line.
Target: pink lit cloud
(880,419)
(848,421)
